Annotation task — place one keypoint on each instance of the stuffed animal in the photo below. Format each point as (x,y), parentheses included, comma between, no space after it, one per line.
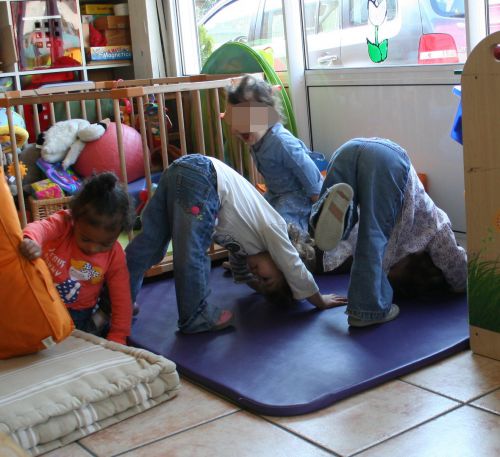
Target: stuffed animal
(65,140)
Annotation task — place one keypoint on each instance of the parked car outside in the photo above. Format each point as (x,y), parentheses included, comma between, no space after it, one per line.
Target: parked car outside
(341,33)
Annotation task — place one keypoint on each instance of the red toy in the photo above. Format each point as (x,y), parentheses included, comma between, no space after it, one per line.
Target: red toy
(102,154)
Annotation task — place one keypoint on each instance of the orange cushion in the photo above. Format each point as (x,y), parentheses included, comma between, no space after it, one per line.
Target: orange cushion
(33,316)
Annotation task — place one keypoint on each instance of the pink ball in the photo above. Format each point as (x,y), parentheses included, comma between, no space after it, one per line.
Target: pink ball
(102,154)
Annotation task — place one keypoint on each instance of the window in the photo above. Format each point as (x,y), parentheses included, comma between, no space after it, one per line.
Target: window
(448,8)
(228,21)
(272,22)
(367,33)
(258,23)
(343,33)
(322,18)
(358,11)
(493,16)
(270,34)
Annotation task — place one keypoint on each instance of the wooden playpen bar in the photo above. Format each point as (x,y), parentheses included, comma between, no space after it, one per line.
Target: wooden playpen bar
(185,91)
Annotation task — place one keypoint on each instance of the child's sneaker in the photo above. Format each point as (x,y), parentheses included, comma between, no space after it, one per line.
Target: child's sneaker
(392,314)
(330,225)
(226,319)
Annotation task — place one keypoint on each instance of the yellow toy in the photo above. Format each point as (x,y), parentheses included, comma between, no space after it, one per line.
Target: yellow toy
(20,132)
(22,168)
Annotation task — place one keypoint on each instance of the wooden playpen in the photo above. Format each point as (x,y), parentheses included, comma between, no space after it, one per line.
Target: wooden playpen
(193,102)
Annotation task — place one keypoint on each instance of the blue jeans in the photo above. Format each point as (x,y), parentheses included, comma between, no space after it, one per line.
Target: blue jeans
(294,207)
(82,318)
(377,170)
(183,209)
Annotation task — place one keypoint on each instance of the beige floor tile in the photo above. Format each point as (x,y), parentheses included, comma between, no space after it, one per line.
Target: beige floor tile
(465,432)
(368,418)
(71,450)
(489,402)
(240,434)
(463,377)
(191,407)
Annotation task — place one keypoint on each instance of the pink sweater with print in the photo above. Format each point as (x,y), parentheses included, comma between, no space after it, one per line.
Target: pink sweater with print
(79,277)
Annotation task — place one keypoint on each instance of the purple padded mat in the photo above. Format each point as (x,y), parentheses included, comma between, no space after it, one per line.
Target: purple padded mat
(286,361)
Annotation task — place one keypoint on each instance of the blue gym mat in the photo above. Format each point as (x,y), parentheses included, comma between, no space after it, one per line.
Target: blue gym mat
(285,361)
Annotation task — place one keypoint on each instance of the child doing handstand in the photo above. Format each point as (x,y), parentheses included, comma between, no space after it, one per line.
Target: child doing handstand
(81,250)
(292,179)
(200,199)
(400,229)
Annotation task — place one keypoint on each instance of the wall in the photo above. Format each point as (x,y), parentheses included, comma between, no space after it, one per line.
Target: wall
(417,116)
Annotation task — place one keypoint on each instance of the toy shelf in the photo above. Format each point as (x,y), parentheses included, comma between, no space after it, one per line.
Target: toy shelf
(49,30)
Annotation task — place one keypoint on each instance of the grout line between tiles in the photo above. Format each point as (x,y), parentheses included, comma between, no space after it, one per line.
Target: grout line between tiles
(434,392)
(408,430)
(291,432)
(483,395)
(484,410)
(85,449)
(172,434)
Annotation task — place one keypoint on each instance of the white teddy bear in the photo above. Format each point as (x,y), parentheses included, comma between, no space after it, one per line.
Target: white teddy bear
(65,140)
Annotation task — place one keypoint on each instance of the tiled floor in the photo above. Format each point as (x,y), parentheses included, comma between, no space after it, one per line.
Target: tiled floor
(450,409)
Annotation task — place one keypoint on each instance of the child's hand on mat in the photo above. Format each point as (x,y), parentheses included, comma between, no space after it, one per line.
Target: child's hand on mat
(327,301)
(30,249)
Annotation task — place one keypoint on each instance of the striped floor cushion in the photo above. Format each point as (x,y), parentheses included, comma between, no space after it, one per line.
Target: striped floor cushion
(77,387)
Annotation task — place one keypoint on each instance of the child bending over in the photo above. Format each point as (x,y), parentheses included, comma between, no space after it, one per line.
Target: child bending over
(81,250)
(292,179)
(373,201)
(200,199)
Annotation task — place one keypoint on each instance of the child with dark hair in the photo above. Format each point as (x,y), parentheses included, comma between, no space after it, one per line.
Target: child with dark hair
(81,249)
(198,200)
(292,179)
(373,199)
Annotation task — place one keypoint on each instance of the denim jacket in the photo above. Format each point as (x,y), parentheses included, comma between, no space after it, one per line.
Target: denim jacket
(290,173)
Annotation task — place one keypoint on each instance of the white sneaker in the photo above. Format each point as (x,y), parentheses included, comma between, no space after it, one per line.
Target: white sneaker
(392,314)
(330,226)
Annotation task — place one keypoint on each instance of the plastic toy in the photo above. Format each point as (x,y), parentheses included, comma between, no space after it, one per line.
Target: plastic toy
(23,169)
(125,110)
(6,84)
(19,130)
(10,173)
(102,155)
(66,179)
(151,115)
(45,189)
(45,40)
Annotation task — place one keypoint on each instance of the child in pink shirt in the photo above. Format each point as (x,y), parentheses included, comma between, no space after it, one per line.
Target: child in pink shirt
(81,250)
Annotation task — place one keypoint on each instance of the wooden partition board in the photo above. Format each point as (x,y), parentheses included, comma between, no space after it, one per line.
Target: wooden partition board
(481,140)
(167,264)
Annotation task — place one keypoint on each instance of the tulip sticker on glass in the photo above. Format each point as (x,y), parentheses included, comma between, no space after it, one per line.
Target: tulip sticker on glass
(377,13)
